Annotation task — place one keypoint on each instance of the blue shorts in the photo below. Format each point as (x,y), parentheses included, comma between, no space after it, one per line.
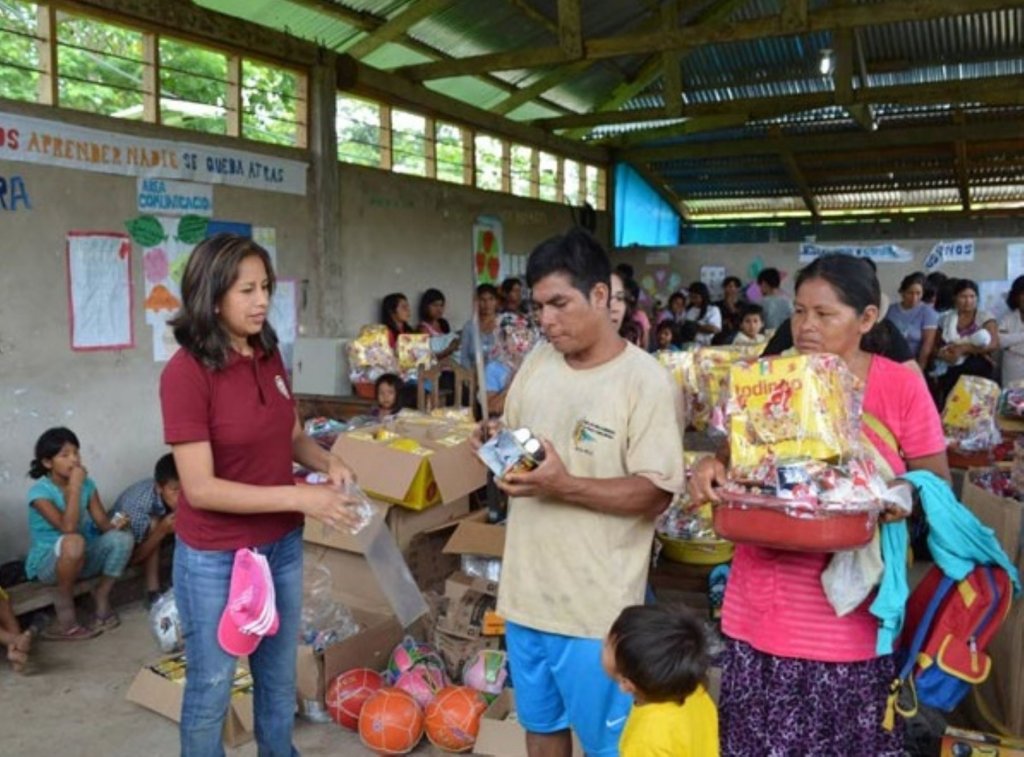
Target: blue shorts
(559,684)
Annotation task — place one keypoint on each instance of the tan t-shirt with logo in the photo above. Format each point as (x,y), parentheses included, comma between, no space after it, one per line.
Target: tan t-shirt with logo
(568,569)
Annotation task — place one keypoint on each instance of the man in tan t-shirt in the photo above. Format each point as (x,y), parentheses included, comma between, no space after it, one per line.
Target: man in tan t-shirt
(580,525)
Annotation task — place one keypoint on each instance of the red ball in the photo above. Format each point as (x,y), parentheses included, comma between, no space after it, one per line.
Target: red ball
(453,718)
(347,694)
(391,722)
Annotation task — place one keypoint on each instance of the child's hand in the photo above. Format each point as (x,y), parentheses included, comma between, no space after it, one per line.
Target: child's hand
(78,475)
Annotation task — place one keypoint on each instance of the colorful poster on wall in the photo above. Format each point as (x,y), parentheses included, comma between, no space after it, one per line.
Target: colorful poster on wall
(38,140)
(266,237)
(166,242)
(713,277)
(659,284)
(880,253)
(100,291)
(488,249)
(992,297)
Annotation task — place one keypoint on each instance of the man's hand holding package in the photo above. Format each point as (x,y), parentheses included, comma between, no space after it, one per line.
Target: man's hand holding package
(550,479)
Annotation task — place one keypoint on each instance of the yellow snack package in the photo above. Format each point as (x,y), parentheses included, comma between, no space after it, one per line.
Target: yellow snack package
(790,407)
(712,374)
(414,352)
(683,368)
(972,401)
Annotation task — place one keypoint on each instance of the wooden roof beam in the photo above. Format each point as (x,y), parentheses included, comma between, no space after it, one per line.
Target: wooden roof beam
(994,90)
(833,142)
(672,71)
(830,18)
(570,29)
(963,174)
(396,26)
(549,81)
(797,176)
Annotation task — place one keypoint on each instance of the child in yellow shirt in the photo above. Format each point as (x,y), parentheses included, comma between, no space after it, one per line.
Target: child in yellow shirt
(659,656)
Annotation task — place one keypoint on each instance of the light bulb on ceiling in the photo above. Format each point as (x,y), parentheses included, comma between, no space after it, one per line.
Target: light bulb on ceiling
(826,61)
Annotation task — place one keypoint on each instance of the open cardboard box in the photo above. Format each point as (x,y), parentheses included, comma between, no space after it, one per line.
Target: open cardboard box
(450,470)
(163,695)
(475,538)
(403,523)
(501,735)
(354,585)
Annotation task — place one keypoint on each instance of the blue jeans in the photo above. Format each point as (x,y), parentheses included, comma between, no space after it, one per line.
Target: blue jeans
(201,581)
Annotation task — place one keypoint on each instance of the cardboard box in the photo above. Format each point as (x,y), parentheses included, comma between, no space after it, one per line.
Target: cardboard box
(403,523)
(475,538)
(355,586)
(1003,692)
(155,690)
(469,600)
(448,469)
(425,555)
(500,733)
(1005,516)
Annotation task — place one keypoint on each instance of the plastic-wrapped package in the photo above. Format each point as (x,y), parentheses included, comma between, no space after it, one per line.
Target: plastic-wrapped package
(969,417)
(324,431)
(325,621)
(478,566)
(713,366)
(683,368)
(414,353)
(370,355)
(165,623)
(799,407)
(1011,403)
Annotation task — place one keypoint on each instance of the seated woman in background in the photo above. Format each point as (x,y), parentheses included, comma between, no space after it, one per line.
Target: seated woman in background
(487,314)
(1011,334)
(512,296)
(968,339)
(916,320)
(395,313)
(707,316)
(72,537)
(442,341)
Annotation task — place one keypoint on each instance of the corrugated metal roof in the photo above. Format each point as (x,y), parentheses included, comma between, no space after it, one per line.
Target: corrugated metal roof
(952,49)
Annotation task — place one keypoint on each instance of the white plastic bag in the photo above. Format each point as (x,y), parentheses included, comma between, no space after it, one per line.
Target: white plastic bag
(851,576)
(165,623)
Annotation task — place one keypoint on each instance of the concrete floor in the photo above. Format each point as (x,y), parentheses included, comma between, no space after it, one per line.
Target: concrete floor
(72,703)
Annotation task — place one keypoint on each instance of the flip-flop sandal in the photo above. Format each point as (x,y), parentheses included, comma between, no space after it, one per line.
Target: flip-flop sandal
(107,622)
(74,633)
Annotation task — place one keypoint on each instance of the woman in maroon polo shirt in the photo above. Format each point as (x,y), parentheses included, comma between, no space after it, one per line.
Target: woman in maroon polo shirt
(230,419)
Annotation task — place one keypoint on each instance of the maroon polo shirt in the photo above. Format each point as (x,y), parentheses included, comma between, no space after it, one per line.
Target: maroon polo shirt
(246,412)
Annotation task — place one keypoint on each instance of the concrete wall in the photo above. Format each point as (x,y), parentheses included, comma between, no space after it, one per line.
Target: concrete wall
(406,234)
(397,233)
(989,263)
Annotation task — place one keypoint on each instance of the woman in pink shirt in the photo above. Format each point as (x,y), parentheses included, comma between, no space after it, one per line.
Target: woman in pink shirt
(796,678)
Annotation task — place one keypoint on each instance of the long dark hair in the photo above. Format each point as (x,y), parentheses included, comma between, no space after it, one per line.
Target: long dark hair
(48,446)
(700,289)
(856,285)
(427,299)
(387,312)
(1016,290)
(211,270)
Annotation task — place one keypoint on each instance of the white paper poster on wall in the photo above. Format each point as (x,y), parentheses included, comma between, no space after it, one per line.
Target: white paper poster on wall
(266,237)
(100,290)
(713,277)
(284,317)
(1014,261)
(960,251)
(992,297)
(880,253)
(163,264)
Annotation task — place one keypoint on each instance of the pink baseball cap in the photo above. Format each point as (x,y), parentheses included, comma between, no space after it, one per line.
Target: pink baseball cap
(251,611)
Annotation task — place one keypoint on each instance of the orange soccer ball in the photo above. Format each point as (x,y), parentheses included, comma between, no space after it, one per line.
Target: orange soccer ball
(453,718)
(347,694)
(391,722)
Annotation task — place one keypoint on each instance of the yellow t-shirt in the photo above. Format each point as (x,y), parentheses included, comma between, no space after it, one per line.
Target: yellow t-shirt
(669,729)
(570,570)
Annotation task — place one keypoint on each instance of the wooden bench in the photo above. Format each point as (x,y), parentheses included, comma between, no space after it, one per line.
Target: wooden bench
(32,596)
(331,406)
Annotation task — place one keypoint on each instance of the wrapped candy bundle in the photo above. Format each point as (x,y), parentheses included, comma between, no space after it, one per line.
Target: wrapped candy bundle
(712,374)
(414,353)
(683,368)
(799,478)
(969,417)
(370,355)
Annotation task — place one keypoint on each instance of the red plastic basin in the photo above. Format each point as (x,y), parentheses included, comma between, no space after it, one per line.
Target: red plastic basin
(766,527)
